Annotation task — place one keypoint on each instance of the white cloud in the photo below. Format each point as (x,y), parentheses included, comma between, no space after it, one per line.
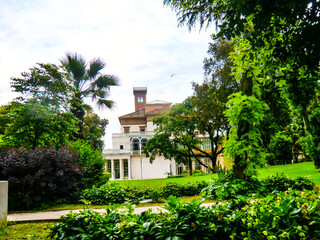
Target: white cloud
(139,40)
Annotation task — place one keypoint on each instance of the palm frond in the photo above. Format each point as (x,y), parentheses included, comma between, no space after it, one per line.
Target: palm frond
(99,94)
(87,107)
(102,103)
(75,64)
(201,11)
(96,65)
(104,82)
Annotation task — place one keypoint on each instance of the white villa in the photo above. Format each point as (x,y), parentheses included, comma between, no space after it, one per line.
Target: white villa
(125,160)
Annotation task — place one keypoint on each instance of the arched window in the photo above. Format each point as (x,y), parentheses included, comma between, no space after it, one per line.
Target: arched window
(143,142)
(135,144)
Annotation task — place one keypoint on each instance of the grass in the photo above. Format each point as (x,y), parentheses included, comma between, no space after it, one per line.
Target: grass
(305,169)
(157,183)
(27,231)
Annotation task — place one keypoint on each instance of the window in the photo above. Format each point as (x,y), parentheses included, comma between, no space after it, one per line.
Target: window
(142,120)
(197,165)
(143,143)
(125,168)
(140,99)
(179,169)
(126,130)
(126,121)
(205,144)
(136,144)
(109,166)
(121,146)
(142,129)
(117,169)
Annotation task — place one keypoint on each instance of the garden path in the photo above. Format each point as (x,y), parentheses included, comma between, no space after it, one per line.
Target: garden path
(55,215)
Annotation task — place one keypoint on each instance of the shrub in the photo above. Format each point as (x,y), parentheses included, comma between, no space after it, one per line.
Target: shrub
(110,193)
(91,161)
(113,193)
(186,189)
(228,186)
(281,148)
(40,176)
(282,183)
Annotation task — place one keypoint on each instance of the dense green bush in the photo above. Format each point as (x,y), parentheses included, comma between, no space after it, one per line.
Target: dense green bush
(110,193)
(284,215)
(114,193)
(186,189)
(92,162)
(227,186)
(281,149)
(40,176)
(282,183)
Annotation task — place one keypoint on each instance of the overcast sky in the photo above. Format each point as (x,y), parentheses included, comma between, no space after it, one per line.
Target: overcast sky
(138,39)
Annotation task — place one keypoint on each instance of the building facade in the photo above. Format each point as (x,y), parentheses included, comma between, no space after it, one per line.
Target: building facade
(125,160)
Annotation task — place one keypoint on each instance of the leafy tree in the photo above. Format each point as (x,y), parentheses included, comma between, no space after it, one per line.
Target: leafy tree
(46,83)
(32,124)
(67,86)
(284,33)
(210,97)
(177,136)
(87,81)
(94,130)
(91,162)
(245,143)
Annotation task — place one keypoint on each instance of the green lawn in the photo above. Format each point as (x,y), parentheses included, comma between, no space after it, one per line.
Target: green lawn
(156,183)
(305,169)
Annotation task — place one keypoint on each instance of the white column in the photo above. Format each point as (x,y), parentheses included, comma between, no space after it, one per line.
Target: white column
(3,203)
(121,169)
(112,169)
(129,168)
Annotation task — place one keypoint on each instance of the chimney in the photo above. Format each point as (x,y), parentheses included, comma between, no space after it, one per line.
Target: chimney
(140,95)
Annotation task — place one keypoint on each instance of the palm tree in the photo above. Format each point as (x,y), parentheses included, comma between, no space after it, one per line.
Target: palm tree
(86,80)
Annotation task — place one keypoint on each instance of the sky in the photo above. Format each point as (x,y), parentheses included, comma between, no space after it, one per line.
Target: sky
(139,40)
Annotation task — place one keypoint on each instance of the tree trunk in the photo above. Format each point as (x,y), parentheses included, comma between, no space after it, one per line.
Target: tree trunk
(79,112)
(243,128)
(190,165)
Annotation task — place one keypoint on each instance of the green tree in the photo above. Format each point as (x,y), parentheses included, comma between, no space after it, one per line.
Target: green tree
(94,130)
(284,33)
(67,86)
(177,136)
(91,162)
(87,81)
(46,83)
(209,98)
(32,124)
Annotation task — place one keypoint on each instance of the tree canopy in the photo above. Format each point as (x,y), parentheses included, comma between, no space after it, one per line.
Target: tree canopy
(66,87)
(274,41)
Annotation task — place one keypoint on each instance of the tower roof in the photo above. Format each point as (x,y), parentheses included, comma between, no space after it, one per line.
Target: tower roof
(139,89)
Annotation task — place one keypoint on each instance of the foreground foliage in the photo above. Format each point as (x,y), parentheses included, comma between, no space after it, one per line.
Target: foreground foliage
(284,215)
